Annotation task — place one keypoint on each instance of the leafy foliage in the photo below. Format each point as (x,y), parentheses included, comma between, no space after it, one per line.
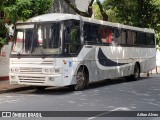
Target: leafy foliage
(24,9)
(96,12)
(140,13)
(14,10)
(89,13)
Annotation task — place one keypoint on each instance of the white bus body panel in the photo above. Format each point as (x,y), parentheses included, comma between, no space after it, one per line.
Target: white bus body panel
(62,71)
(36,71)
(127,56)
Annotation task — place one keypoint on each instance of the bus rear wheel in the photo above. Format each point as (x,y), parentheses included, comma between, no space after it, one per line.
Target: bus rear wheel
(136,74)
(81,79)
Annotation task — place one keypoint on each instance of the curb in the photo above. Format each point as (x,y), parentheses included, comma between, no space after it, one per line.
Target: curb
(4,78)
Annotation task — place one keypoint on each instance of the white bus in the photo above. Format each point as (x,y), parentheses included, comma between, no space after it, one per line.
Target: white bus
(70,50)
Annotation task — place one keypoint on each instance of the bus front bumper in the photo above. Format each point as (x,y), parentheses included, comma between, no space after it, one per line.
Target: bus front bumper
(36,79)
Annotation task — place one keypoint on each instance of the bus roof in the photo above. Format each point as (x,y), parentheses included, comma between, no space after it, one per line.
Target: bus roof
(61,16)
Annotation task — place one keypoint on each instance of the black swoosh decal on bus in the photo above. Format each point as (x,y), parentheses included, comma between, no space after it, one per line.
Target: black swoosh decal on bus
(104,61)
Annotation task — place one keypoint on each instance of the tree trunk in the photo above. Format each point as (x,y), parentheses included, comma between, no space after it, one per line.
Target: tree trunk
(76,10)
(103,13)
(90,9)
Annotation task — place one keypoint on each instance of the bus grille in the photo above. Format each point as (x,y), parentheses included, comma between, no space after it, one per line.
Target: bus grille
(31,70)
(30,79)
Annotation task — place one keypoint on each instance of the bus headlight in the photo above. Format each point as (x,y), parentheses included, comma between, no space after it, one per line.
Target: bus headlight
(48,70)
(16,70)
(57,70)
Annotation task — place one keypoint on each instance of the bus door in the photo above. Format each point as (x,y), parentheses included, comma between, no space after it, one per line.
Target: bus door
(71,37)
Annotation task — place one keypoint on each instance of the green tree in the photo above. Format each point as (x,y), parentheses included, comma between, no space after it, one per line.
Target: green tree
(140,13)
(96,12)
(13,10)
(89,13)
(24,9)
(98,15)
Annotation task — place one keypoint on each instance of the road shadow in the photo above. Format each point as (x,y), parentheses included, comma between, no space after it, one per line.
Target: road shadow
(114,81)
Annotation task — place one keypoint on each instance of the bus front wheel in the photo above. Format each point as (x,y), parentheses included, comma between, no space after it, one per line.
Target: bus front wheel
(81,79)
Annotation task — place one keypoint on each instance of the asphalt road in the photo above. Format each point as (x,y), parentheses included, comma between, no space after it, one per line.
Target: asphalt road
(105,96)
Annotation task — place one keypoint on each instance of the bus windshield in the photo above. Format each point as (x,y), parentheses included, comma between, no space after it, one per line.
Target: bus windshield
(44,39)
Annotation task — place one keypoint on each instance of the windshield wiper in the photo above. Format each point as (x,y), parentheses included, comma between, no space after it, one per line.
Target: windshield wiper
(18,54)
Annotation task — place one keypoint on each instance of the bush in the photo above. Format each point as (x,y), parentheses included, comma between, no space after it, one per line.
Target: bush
(2,42)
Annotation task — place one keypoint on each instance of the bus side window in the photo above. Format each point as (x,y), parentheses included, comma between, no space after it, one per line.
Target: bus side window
(95,32)
(91,33)
(133,37)
(74,42)
(72,37)
(117,35)
(106,35)
(150,39)
(66,39)
(87,32)
(140,39)
(129,38)
(124,37)
(110,35)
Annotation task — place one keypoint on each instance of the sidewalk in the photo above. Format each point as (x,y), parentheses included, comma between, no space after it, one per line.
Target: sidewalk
(157,70)
(5,87)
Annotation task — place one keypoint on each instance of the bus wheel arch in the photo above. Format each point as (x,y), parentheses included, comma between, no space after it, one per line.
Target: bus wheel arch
(136,73)
(82,78)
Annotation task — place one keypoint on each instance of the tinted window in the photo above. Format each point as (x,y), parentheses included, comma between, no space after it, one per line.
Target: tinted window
(141,39)
(131,37)
(91,33)
(95,33)
(150,39)
(87,32)
(72,37)
(117,35)
(106,34)
(124,37)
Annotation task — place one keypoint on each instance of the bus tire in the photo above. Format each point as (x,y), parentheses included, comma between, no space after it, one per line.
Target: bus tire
(136,74)
(81,79)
